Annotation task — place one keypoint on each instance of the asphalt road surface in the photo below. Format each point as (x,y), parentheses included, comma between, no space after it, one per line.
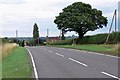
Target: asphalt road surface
(52,62)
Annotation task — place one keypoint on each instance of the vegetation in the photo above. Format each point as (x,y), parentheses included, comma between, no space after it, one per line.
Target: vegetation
(99,39)
(62,42)
(111,49)
(36,34)
(16,65)
(6,49)
(81,18)
(95,39)
(4,40)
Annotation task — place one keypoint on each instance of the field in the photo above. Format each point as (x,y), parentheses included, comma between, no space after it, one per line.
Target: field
(16,64)
(105,49)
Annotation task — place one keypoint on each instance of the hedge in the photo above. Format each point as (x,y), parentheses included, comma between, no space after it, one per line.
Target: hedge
(95,39)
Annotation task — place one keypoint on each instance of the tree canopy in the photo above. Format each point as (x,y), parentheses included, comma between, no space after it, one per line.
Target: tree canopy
(36,34)
(81,18)
(35,31)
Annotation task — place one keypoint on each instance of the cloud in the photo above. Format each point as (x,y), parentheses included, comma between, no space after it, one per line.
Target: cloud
(22,14)
(11,1)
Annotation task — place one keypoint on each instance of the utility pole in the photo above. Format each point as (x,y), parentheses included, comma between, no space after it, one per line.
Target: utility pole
(16,36)
(47,32)
(115,20)
(114,17)
(47,35)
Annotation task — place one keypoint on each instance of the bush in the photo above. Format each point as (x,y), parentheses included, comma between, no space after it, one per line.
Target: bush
(100,39)
(95,39)
(62,42)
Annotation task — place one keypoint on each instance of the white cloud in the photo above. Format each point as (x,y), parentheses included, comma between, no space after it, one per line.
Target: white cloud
(17,12)
(11,1)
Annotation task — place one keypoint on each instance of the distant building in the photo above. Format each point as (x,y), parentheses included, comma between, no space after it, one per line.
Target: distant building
(52,39)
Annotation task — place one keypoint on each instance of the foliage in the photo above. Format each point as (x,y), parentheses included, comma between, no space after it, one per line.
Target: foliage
(99,39)
(14,40)
(81,18)
(35,31)
(62,42)
(111,49)
(95,39)
(5,40)
(36,34)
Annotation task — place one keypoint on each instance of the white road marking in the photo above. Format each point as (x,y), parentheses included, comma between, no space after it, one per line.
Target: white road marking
(110,75)
(95,53)
(60,55)
(78,62)
(101,54)
(112,56)
(34,67)
(45,49)
(50,51)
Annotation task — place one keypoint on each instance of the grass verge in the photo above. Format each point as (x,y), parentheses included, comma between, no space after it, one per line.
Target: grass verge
(106,49)
(6,49)
(16,65)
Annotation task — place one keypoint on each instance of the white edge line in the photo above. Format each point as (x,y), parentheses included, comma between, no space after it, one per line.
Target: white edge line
(60,55)
(110,75)
(78,62)
(34,67)
(94,53)
(112,56)
(101,54)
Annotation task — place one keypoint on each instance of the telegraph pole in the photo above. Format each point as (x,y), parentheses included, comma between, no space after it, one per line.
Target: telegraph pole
(16,36)
(114,17)
(115,20)
(47,35)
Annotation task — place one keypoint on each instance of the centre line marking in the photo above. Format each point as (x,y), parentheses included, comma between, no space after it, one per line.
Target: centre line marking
(110,75)
(60,55)
(78,62)
(50,51)
(45,49)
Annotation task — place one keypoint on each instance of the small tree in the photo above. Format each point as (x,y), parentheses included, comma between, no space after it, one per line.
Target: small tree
(35,34)
(81,18)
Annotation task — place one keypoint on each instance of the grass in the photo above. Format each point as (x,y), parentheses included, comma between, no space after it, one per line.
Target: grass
(6,49)
(16,65)
(0,61)
(106,49)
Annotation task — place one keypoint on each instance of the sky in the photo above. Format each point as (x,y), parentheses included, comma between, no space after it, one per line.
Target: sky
(21,15)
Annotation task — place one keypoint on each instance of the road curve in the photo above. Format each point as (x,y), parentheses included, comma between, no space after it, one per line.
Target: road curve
(52,62)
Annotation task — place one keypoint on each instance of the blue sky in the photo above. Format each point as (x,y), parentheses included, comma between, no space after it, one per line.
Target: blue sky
(22,14)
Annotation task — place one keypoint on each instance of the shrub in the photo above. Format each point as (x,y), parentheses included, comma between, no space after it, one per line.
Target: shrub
(95,39)
(100,39)
(62,42)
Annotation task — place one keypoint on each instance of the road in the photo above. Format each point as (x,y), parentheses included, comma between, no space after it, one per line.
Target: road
(52,62)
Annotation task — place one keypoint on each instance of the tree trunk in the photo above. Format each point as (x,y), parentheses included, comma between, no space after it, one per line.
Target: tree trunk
(80,35)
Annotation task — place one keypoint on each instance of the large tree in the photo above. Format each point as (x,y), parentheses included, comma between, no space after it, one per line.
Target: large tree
(36,33)
(81,18)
